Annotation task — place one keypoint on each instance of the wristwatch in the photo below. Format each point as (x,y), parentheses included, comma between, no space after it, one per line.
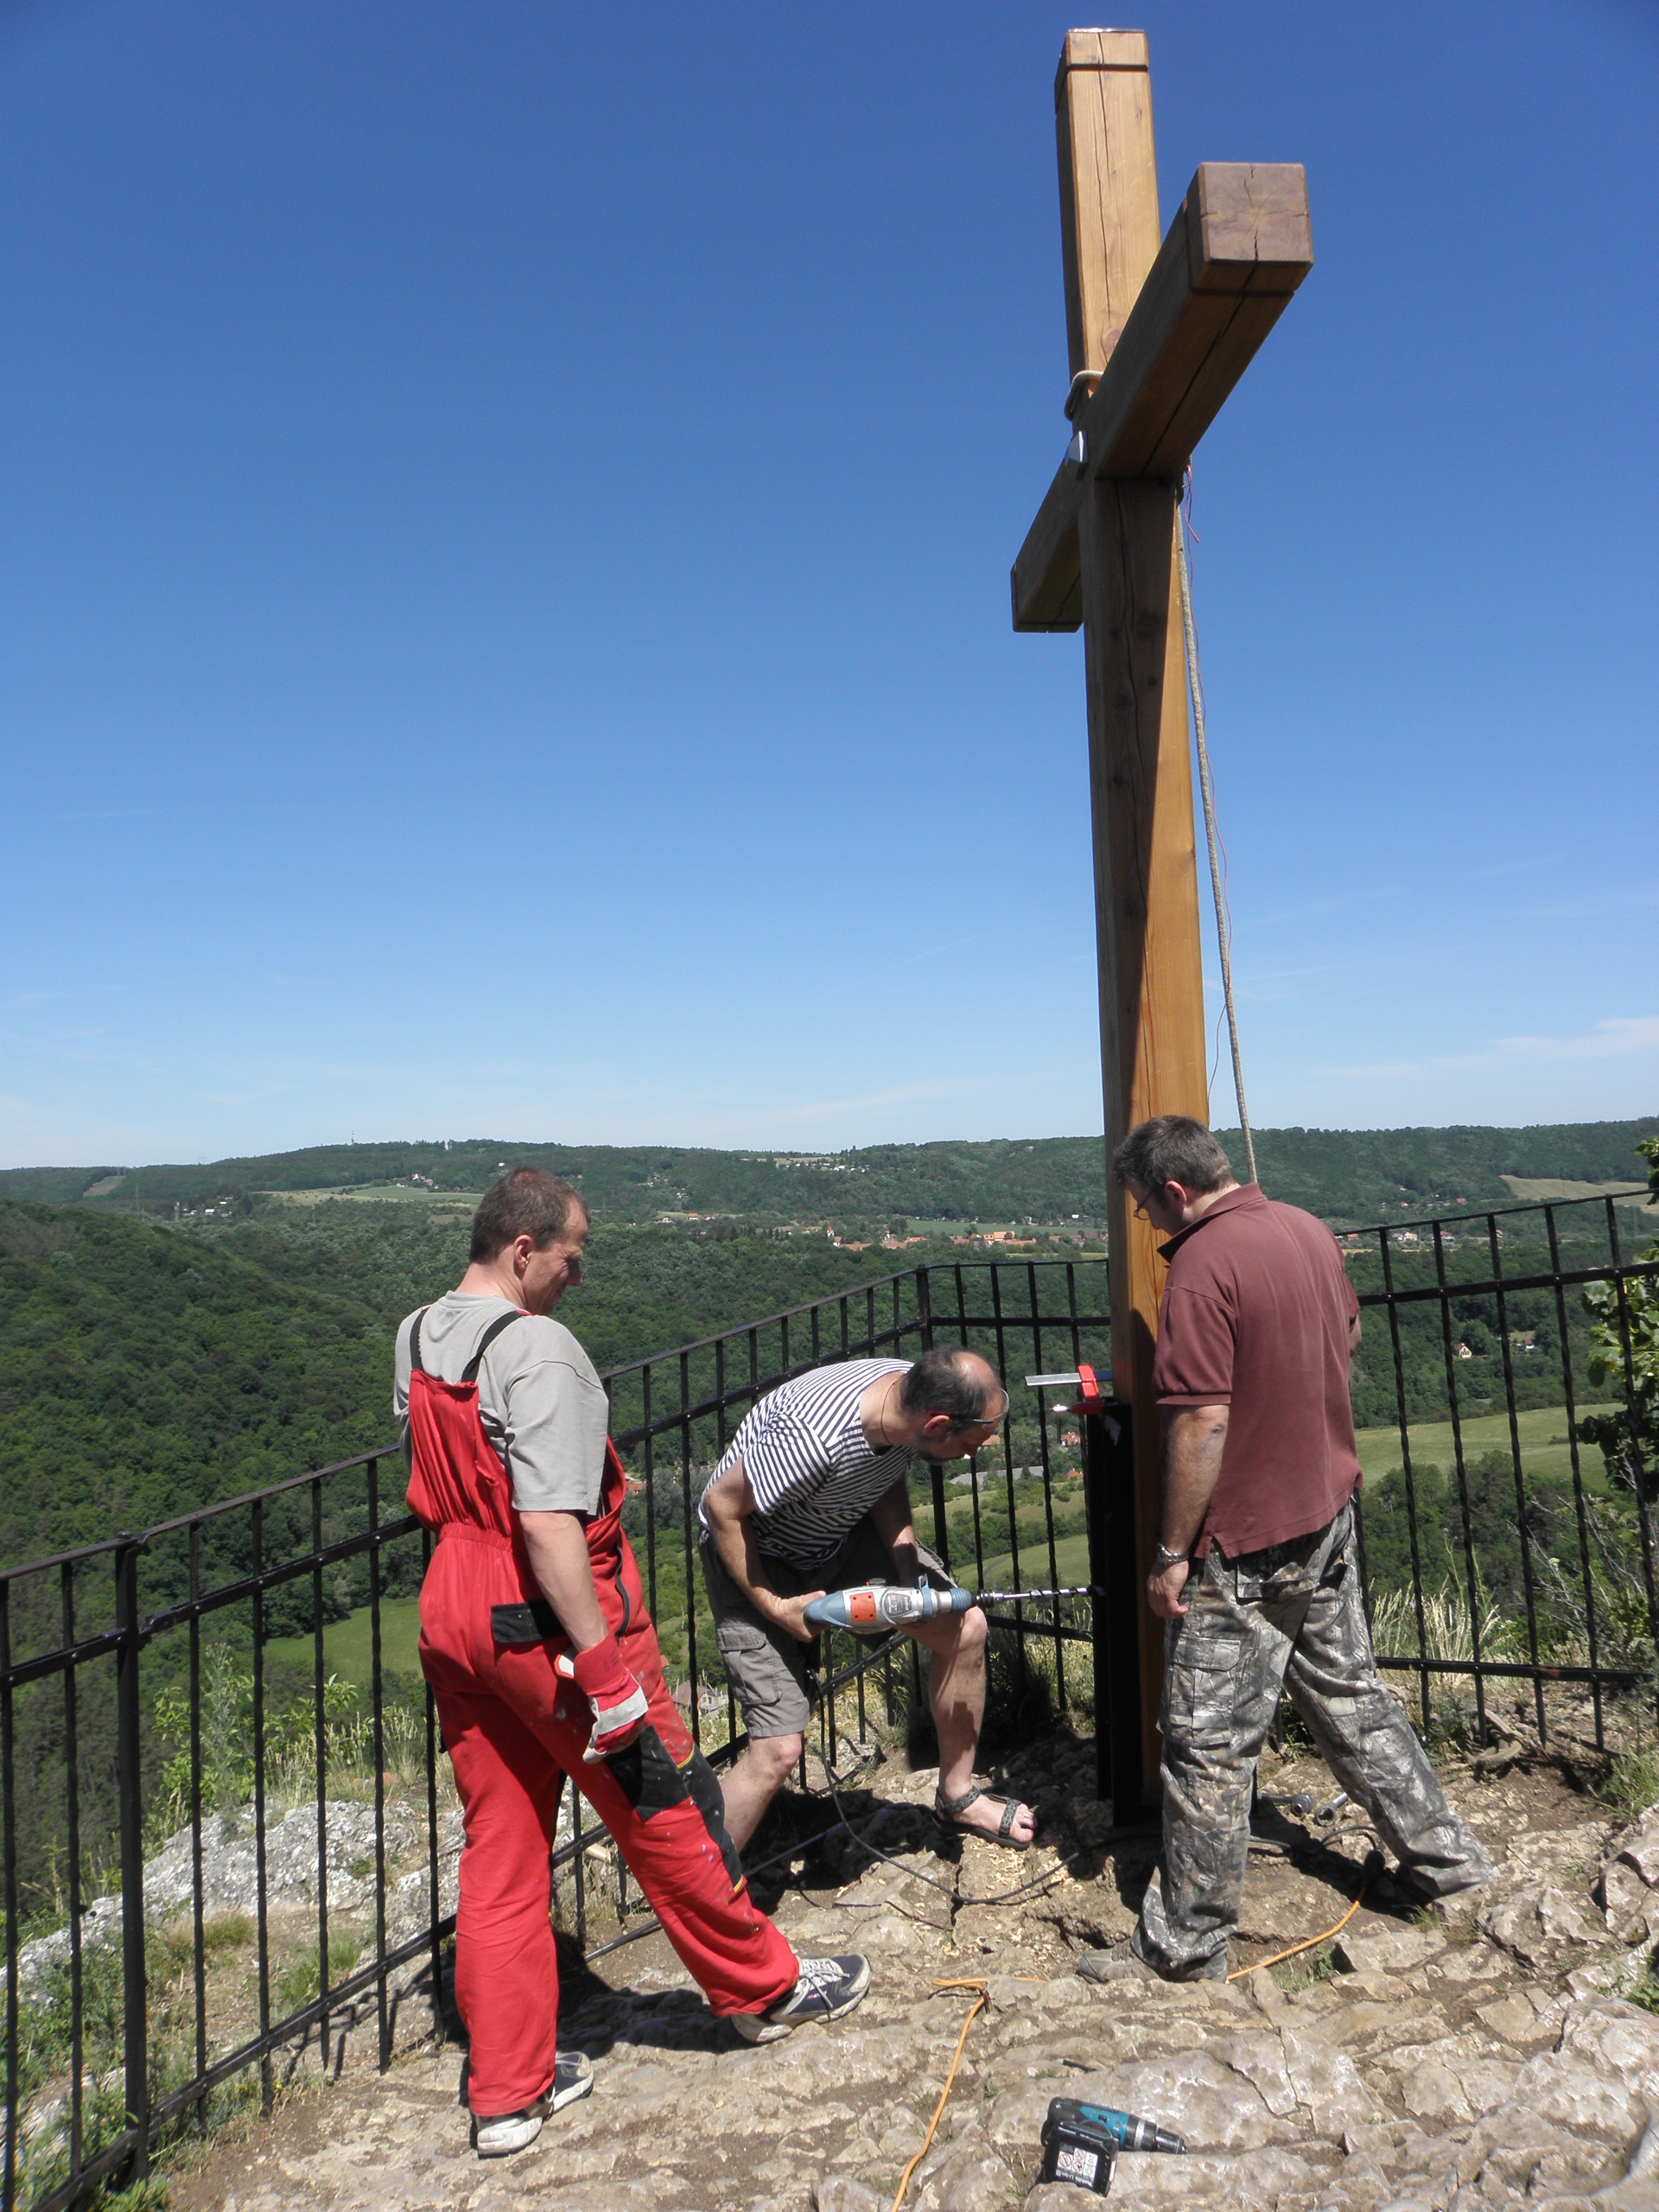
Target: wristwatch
(1167,1558)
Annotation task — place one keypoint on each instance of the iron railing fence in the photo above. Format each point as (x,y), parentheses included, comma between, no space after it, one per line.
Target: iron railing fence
(1499,1549)
(1507,1393)
(674,1415)
(185,1681)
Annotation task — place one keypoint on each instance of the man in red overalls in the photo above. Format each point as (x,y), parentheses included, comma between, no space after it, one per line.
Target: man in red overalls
(543,1662)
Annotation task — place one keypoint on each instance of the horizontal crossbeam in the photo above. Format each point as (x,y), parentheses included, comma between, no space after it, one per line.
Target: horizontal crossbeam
(1240,244)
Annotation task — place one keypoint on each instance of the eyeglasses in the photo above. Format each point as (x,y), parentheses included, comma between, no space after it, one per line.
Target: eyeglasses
(985,1420)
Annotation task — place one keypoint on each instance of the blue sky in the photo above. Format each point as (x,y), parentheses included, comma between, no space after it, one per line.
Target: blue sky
(504,522)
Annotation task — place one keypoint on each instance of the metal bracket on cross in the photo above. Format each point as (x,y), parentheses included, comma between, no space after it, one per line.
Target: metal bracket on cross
(1094,1392)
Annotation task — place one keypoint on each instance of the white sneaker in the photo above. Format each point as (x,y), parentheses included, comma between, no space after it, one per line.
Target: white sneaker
(573,2077)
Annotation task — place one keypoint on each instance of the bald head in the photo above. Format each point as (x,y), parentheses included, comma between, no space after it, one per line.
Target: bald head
(952,1381)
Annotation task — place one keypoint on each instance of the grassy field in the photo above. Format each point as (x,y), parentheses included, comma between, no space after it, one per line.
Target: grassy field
(1546,1448)
(1539,1190)
(1041,1235)
(346,1645)
(1072,1552)
(380,1193)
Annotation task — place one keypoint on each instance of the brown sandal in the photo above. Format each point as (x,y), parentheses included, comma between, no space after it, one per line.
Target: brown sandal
(951,1808)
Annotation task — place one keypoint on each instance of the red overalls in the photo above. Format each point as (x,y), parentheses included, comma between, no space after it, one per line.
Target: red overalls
(514,1728)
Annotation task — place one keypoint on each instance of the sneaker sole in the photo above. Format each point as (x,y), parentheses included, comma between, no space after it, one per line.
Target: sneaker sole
(525,2131)
(523,2138)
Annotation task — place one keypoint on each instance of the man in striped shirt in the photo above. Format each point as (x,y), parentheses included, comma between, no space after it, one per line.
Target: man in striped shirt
(813,1496)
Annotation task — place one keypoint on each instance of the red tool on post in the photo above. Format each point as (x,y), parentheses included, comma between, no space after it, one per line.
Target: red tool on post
(1094,1399)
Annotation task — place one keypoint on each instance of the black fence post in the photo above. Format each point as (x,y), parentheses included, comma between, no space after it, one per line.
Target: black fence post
(130,1760)
(1109,1496)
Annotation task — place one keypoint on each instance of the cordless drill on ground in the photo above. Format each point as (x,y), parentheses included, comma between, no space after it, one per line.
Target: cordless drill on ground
(1127,2130)
(1081,2142)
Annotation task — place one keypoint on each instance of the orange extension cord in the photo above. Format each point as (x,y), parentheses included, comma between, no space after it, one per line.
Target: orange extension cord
(979,2005)
(1279,1957)
(981,2000)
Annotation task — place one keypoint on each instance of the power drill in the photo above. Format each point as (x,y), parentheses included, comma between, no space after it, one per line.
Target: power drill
(871,1608)
(1126,2131)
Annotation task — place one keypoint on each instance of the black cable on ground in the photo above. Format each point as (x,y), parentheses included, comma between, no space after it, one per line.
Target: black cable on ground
(1315,1848)
(1000,1896)
(650,1927)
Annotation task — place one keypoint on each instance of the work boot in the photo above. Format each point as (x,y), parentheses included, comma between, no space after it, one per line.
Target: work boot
(1115,1963)
(573,2077)
(1449,1903)
(1122,1962)
(827,1989)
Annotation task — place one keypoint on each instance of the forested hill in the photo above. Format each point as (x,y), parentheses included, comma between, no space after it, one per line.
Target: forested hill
(148,1364)
(1346,1175)
(142,1372)
(1356,1176)
(146,1368)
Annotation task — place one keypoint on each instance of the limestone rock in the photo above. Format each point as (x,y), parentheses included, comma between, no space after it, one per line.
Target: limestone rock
(229,1858)
(1644,2160)
(1628,1888)
(1017,2116)
(1608,1975)
(1629,1904)
(1452,2075)
(1261,2059)
(838,2193)
(1637,1848)
(1387,1950)
(972,2179)
(230,1875)
(611,2196)
(1619,2042)
(1577,2122)
(1536,1922)
(1511,2018)
(1326,2083)
(1448,2082)
(1264,2178)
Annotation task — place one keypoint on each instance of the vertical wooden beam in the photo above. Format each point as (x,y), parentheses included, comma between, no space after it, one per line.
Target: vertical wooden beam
(1110,231)
(1147,931)
(1152,1031)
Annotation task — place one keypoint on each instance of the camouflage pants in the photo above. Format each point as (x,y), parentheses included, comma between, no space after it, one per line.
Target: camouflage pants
(1290,1615)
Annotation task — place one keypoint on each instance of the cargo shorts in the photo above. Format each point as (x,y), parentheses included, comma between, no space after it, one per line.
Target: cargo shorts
(774,1675)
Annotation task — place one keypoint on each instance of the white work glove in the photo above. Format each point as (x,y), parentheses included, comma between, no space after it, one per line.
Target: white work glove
(620,1706)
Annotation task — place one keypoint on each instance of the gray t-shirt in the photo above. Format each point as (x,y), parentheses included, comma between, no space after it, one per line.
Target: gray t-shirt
(542,1402)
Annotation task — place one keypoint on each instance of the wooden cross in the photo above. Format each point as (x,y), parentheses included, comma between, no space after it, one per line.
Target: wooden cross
(1159,335)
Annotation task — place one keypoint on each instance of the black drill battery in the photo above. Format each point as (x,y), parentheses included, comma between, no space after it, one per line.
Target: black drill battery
(1075,2150)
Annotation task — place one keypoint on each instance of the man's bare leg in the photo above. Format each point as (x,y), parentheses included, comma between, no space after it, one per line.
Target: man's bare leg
(752,1783)
(957,1694)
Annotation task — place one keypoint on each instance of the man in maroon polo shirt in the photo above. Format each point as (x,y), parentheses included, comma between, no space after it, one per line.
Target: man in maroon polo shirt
(1257,1572)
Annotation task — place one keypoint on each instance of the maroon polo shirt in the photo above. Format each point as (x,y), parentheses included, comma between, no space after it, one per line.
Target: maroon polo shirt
(1256,1317)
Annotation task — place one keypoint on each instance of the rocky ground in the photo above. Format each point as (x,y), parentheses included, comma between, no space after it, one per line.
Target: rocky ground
(1481,2059)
